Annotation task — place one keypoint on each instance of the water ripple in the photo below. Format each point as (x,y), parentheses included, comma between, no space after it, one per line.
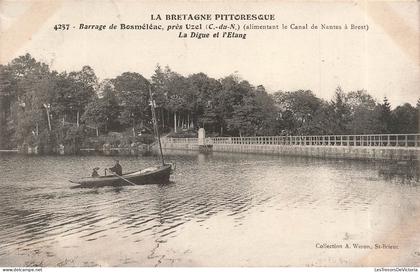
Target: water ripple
(40,210)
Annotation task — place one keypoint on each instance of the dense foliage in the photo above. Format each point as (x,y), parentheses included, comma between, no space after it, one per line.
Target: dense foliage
(46,108)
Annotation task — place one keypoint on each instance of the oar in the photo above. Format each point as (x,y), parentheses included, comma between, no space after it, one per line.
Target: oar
(123,178)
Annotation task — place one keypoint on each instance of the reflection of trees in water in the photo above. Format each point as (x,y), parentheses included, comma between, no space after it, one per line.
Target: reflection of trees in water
(407,172)
(404,172)
(400,171)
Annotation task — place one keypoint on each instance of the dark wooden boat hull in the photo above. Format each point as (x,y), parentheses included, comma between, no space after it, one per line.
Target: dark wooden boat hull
(151,175)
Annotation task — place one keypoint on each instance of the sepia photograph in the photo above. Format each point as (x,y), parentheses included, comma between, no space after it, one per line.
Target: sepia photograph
(209,133)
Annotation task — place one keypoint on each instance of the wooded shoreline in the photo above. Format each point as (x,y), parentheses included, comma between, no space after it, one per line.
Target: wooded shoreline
(47,109)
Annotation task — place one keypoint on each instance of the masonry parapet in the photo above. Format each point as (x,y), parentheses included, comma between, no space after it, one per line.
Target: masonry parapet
(373,146)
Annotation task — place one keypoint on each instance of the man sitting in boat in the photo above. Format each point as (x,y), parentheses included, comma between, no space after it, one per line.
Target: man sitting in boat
(117,169)
(95,172)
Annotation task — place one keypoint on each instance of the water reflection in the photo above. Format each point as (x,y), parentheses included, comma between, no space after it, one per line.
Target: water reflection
(407,172)
(43,220)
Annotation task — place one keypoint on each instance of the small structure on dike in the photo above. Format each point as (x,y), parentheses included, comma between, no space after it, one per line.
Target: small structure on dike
(202,144)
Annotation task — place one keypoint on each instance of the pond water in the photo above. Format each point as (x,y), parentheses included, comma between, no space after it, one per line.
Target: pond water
(219,210)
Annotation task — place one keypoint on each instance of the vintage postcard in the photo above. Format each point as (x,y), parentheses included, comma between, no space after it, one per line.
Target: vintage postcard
(209,133)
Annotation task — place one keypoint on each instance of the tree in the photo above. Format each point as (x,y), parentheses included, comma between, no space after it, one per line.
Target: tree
(267,125)
(84,85)
(364,113)
(323,122)
(32,90)
(254,116)
(232,94)
(160,95)
(73,92)
(341,112)
(297,109)
(405,119)
(204,90)
(132,90)
(6,100)
(385,117)
(177,96)
(104,112)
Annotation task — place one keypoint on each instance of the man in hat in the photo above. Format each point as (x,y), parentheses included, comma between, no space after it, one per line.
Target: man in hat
(95,172)
(117,169)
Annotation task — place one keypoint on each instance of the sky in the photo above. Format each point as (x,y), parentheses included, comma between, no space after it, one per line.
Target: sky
(384,60)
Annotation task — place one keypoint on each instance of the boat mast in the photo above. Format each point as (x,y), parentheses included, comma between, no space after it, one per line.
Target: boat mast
(155,126)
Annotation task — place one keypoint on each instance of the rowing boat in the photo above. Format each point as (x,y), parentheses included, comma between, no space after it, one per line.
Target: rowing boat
(150,175)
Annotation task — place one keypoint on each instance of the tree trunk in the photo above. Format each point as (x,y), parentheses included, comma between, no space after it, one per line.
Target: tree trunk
(78,114)
(162,117)
(48,118)
(168,116)
(175,122)
(183,121)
